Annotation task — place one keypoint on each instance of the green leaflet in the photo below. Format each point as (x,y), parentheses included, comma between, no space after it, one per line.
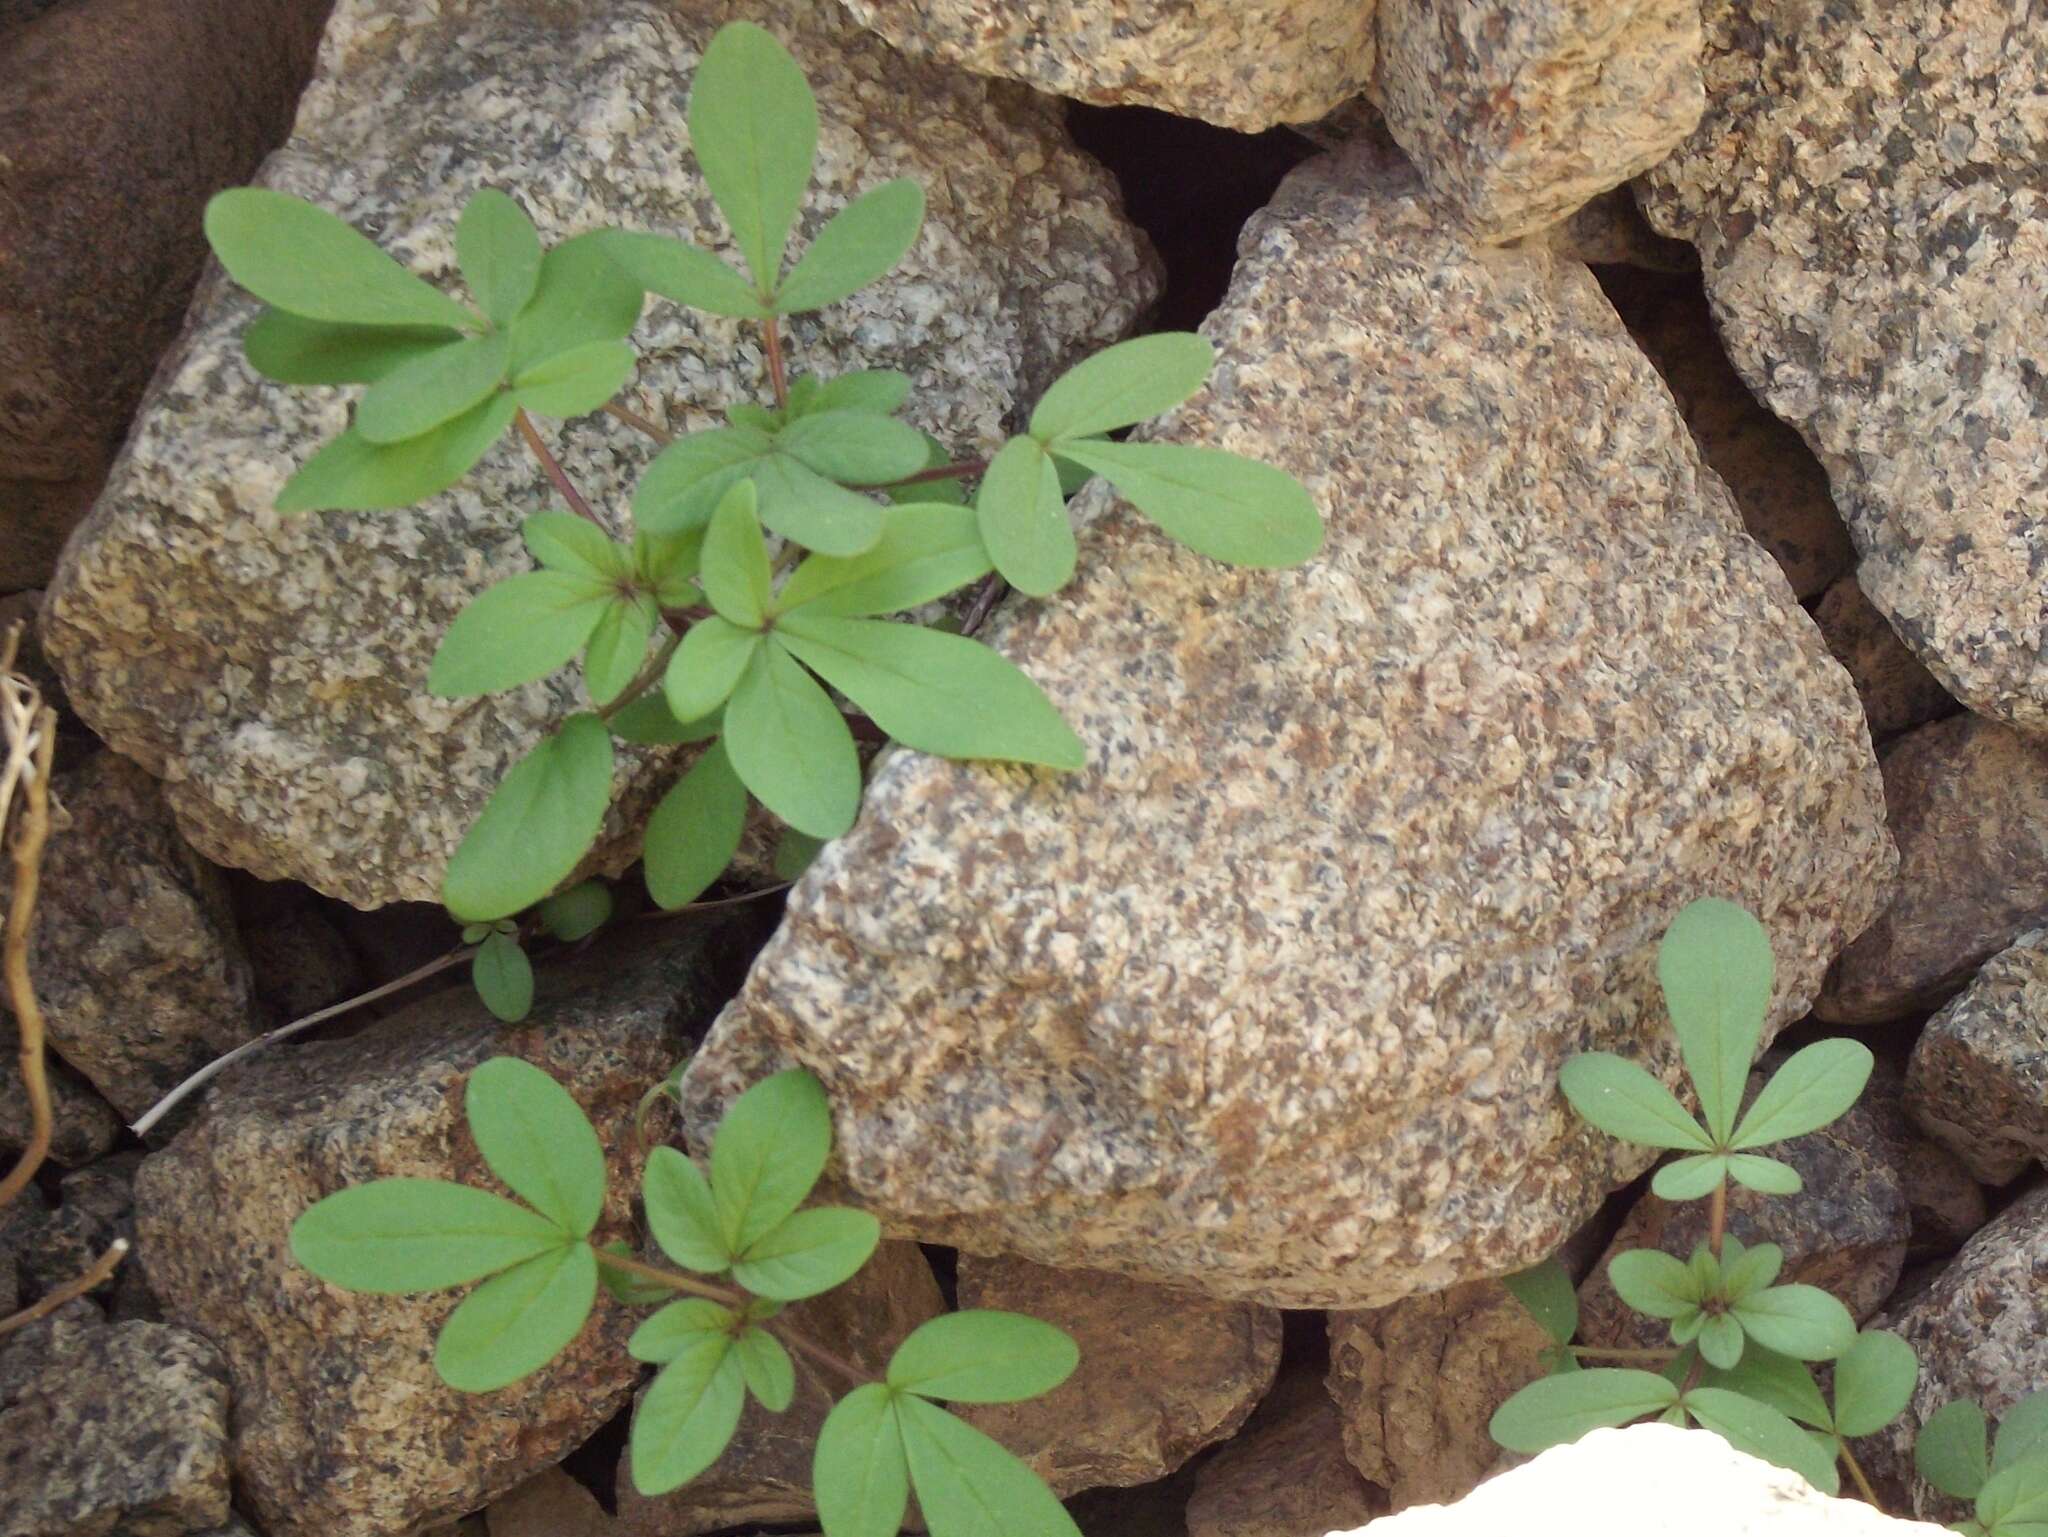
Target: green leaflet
(1123,385)
(503,977)
(687,1417)
(649,721)
(517,1322)
(1555,1410)
(733,569)
(300,258)
(578,912)
(437,387)
(770,1374)
(1690,1178)
(801,505)
(1779,1381)
(708,666)
(879,390)
(1765,1175)
(1654,1283)
(808,1252)
(681,1213)
(695,830)
(791,747)
(1023,519)
(1236,510)
(1546,1290)
(858,244)
(291,349)
(766,1155)
(939,693)
(618,647)
(856,447)
(688,274)
(521,629)
(969,1486)
(983,1356)
(1814,1087)
(561,541)
(926,550)
(1801,1321)
(1625,1101)
(1953,1451)
(536,1138)
(754,126)
(859,1474)
(499,253)
(690,1324)
(1714,966)
(536,827)
(408,1235)
(682,487)
(1763,1432)
(352,474)
(2022,1431)
(577,381)
(1874,1381)
(583,297)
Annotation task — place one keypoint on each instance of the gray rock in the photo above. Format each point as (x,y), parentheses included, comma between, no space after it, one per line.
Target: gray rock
(342,1428)
(1897,690)
(301,962)
(122,1431)
(1867,194)
(764,1476)
(1967,801)
(85,1125)
(1416,1383)
(1610,230)
(96,1206)
(1520,111)
(1944,1205)
(18,1224)
(1285,1473)
(1981,1332)
(1269,1000)
(136,960)
(273,670)
(1978,1079)
(1245,64)
(1162,1374)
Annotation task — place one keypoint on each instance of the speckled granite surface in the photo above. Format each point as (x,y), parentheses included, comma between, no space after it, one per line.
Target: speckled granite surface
(1978,1079)
(1869,195)
(1269,1000)
(273,671)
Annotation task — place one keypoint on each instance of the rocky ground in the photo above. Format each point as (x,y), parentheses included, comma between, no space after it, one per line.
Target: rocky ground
(1673,379)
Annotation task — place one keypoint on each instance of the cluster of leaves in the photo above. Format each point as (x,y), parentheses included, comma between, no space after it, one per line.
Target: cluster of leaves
(747,1245)
(750,601)
(1741,1344)
(2007,1483)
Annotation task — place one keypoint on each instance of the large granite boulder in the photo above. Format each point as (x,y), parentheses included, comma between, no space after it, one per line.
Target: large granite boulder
(1269,999)
(1978,1079)
(341,1427)
(1868,195)
(273,670)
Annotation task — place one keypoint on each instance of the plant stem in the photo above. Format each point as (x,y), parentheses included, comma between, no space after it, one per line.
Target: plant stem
(555,473)
(31,728)
(985,599)
(959,469)
(638,422)
(1717,1218)
(732,1299)
(648,676)
(771,346)
(77,1286)
(1602,1353)
(1856,1472)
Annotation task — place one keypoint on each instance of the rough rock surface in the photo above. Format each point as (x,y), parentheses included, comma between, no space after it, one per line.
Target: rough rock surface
(1944,1204)
(1967,802)
(1270,998)
(1978,1079)
(1520,111)
(86,1125)
(135,957)
(1285,1473)
(1611,230)
(1897,690)
(301,963)
(112,1429)
(1416,1383)
(1778,485)
(1620,1483)
(36,516)
(1244,64)
(1868,195)
(95,1207)
(549,1504)
(341,1427)
(1846,1231)
(120,117)
(1981,1331)
(272,670)
(764,1477)
(1162,1374)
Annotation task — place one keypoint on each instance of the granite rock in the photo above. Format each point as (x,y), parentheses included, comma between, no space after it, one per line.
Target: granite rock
(301,962)
(1285,1474)
(1944,1204)
(273,670)
(1162,1374)
(115,1430)
(19,1221)
(1244,64)
(1269,1000)
(1610,230)
(1967,801)
(1416,1384)
(136,960)
(342,1428)
(95,1207)
(1977,1081)
(549,1504)
(1981,1332)
(1868,195)
(1620,1483)
(764,1476)
(1897,690)
(1520,111)
(120,117)
(85,1125)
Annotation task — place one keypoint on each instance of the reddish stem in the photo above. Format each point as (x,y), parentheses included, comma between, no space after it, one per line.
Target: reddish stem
(778,381)
(555,473)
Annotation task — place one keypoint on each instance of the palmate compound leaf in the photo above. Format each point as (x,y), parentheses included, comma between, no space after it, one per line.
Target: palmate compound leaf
(968,1485)
(1874,1381)
(809,1252)
(407,1235)
(352,474)
(518,630)
(858,244)
(695,830)
(1762,1431)
(681,1213)
(1953,1451)
(1556,1410)
(983,1356)
(536,827)
(503,977)
(517,1321)
(859,1474)
(536,1138)
(855,447)
(1624,1101)
(791,747)
(770,1375)
(767,1153)
(1815,1086)
(687,1416)
(1715,968)
(499,253)
(1546,1290)
(2014,1500)
(1240,511)
(1123,385)
(754,126)
(1023,519)
(301,258)
(940,693)
(734,569)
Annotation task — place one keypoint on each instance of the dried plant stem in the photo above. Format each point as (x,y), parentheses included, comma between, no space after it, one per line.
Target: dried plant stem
(77,1286)
(31,740)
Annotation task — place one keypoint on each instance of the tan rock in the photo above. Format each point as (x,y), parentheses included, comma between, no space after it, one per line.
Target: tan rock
(1944,1204)
(1269,999)
(1978,1079)
(1897,690)
(1416,1384)
(1162,1374)
(1967,801)
(1285,1474)
(36,516)
(549,1504)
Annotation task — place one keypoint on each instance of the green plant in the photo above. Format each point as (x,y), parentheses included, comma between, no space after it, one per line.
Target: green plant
(760,555)
(1741,1344)
(747,1245)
